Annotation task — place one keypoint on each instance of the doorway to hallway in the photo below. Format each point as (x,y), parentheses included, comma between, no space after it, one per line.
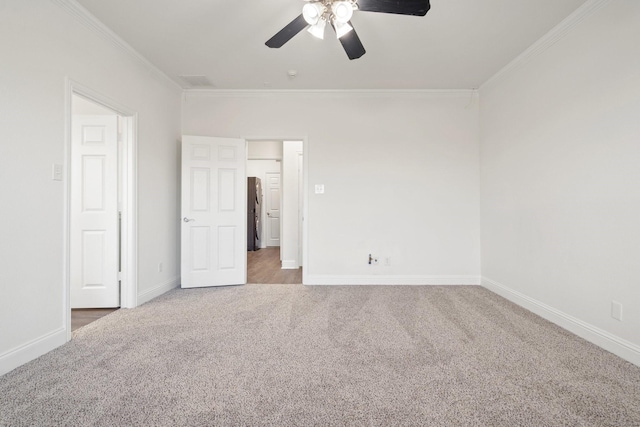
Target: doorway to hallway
(100,204)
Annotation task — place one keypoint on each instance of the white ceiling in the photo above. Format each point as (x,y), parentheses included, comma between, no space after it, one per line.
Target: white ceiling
(459,44)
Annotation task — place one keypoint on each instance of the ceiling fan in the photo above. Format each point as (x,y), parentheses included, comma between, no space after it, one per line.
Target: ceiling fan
(317,13)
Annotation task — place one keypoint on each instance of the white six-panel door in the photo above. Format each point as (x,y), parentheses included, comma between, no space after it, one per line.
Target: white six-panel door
(94,246)
(214,227)
(272,196)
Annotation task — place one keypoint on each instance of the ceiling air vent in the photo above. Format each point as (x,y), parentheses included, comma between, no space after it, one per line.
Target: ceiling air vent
(196,81)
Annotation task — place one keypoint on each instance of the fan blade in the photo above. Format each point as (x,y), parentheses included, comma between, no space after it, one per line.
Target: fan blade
(287,33)
(351,43)
(401,7)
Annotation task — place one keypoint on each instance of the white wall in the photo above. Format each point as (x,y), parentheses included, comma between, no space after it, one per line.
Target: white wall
(42,45)
(82,107)
(561,180)
(291,205)
(400,172)
(264,150)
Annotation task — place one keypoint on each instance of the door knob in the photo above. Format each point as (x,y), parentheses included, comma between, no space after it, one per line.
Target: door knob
(268,213)
(185,219)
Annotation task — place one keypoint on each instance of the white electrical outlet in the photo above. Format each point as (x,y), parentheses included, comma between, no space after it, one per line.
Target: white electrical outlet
(160,267)
(319,188)
(387,261)
(616,310)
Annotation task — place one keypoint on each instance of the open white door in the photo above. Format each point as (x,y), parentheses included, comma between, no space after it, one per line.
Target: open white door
(94,245)
(214,217)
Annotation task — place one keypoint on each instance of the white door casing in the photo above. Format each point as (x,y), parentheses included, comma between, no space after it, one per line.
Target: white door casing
(94,234)
(272,203)
(300,206)
(214,228)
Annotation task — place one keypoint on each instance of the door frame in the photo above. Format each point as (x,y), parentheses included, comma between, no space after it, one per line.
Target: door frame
(127,176)
(305,194)
(301,200)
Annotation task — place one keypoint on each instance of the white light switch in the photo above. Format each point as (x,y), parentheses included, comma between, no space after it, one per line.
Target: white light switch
(319,189)
(57,172)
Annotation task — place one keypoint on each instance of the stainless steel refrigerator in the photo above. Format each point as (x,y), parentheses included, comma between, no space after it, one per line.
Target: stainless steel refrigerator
(254,213)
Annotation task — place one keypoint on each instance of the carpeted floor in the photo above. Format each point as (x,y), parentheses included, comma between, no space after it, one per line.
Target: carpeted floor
(290,355)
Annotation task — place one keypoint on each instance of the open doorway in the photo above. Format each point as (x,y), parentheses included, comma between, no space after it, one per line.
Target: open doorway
(100,216)
(274,171)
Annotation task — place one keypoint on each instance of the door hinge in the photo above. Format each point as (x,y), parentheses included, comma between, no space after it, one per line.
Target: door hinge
(119,275)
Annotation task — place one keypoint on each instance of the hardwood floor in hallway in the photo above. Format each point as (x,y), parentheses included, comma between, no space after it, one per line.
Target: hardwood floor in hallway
(263,266)
(83,316)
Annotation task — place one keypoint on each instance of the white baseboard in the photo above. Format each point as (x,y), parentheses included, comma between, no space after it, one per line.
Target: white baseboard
(289,264)
(31,350)
(158,290)
(322,279)
(616,345)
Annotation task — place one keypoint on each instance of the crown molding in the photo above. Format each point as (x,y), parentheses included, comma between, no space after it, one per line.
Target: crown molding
(328,92)
(545,42)
(85,17)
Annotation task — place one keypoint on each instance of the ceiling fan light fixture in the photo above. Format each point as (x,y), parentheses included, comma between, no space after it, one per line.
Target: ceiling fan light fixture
(342,11)
(342,28)
(312,12)
(317,13)
(317,30)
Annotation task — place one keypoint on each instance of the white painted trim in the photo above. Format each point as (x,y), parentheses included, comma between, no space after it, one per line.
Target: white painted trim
(322,279)
(546,41)
(66,214)
(31,350)
(290,264)
(410,93)
(616,345)
(129,231)
(249,138)
(305,210)
(158,290)
(301,192)
(85,17)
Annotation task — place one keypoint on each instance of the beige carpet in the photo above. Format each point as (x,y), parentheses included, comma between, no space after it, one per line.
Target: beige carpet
(289,355)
